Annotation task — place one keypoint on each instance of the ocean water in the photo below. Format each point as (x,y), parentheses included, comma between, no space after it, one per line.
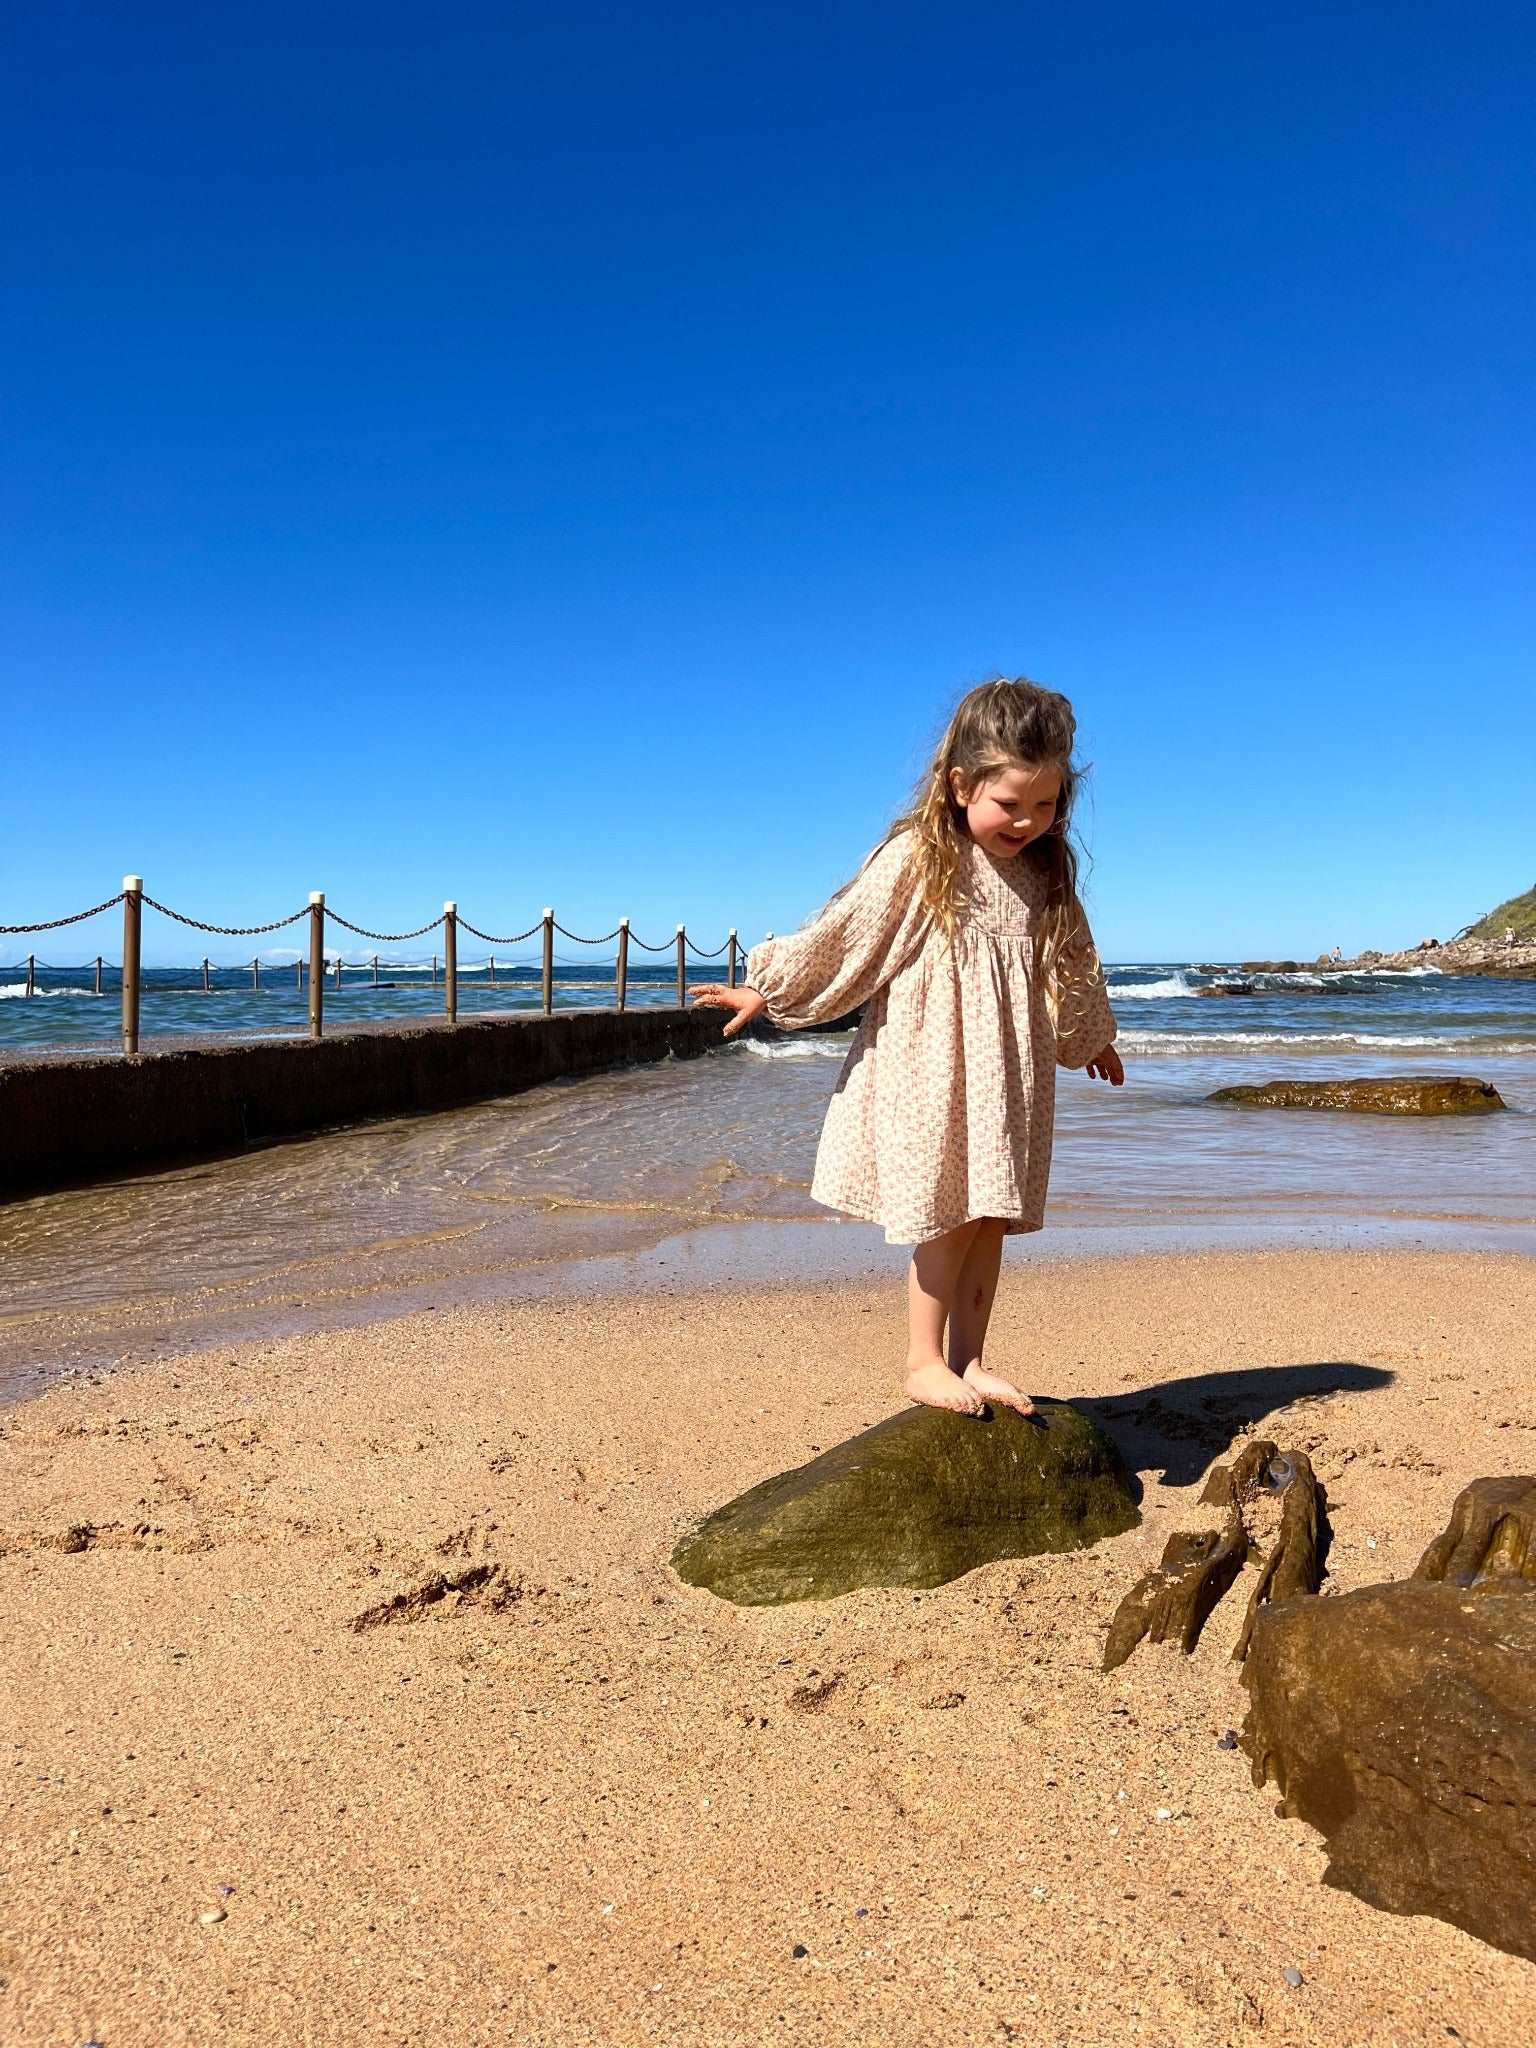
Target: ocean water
(65,1012)
(719,1151)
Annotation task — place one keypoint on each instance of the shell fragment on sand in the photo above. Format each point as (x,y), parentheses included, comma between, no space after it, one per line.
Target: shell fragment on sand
(916,1501)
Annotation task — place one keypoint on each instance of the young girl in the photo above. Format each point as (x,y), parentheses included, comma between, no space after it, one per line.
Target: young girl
(963,938)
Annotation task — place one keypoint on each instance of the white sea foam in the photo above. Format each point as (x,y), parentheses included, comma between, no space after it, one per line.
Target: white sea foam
(1173,1043)
(19,988)
(1162,991)
(797,1048)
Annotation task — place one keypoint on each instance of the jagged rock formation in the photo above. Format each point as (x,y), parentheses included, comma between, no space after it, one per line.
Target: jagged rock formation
(915,1501)
(1391,1095)
(1400,1721)
(1270,1506)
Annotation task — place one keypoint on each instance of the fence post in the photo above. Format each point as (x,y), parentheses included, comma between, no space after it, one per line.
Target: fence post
(493,970)
(730,959)
(205,977)
(549,961)
(682,970)
(31,975)
(621,968)
(451,961)
(375,970)
(298,972)
(133,919)
(316,962)
(338,970)
(98,974)
(434,970)
(256,977)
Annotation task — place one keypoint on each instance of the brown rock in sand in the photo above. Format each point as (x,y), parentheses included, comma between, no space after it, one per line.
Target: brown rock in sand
(1392,1095)
(1401,1722)
(1198,1566)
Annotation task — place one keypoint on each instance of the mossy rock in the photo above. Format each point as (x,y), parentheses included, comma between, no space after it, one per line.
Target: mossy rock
(1391,1095)
(916,1501)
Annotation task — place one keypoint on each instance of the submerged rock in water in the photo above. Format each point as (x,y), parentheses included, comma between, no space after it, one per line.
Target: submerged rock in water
(916,1501)
(1391,1095)
(1400,1721)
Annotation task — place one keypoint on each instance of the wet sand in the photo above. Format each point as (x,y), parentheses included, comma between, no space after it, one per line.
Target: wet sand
(574,1801)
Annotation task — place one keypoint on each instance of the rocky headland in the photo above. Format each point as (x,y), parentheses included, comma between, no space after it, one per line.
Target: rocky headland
(1502,944)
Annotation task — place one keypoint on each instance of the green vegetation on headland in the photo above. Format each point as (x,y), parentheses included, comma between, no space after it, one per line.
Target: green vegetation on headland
(1517,915)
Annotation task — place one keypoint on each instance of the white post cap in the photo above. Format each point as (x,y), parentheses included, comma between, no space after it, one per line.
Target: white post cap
(680,931)
(317,895)
(624,923)
(133,884)
(546,911)
(450,909)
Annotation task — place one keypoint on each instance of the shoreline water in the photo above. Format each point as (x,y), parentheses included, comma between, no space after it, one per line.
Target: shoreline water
(703,1166)
(44,1346)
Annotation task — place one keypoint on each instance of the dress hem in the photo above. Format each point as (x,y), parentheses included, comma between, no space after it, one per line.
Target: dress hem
(1018,1225)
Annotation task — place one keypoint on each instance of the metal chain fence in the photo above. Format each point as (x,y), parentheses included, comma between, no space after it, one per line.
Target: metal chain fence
(135,900)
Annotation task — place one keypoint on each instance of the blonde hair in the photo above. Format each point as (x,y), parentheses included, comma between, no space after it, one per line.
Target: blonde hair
(1001,724)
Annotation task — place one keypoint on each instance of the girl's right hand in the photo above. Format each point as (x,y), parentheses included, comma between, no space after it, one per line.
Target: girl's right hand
(746,1002)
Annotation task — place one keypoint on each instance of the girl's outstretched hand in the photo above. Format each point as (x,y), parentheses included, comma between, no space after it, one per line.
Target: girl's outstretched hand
(746,1002)
(1105,1066)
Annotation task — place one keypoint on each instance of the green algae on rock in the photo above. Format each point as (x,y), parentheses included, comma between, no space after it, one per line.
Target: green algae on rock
(1390,1095)
(916,1501)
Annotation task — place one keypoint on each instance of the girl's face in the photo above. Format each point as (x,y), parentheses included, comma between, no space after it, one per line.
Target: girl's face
(1008,807)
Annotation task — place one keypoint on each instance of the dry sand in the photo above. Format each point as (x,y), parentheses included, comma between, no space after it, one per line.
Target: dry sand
(581,1803)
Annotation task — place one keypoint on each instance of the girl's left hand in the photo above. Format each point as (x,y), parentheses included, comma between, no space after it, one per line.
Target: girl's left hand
(1105,1066)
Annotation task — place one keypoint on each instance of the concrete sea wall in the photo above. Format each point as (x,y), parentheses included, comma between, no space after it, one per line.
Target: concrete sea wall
(68,1120)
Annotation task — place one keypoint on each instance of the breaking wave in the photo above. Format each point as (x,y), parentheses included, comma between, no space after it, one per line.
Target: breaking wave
(1175,1044)
(796,1048)
(1166,990)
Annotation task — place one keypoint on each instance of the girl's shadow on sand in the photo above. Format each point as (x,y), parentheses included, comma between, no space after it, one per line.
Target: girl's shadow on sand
(1181,1425)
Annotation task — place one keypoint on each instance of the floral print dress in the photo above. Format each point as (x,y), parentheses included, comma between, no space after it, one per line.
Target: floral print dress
(943,1110)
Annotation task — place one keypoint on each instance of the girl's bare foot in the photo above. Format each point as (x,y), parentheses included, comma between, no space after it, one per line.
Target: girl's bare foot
(937,1387)
(1004,1392)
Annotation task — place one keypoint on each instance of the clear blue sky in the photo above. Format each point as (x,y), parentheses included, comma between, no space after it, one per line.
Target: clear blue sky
(576,455)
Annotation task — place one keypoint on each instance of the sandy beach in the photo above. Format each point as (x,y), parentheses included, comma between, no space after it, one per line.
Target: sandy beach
(367,1642)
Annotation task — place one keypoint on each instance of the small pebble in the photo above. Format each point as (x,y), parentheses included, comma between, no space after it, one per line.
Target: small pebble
(1293,1977)
(861,1912)
(1163,1813)
(1227,1739)
(226,1891)
(212,1917)
(799,1949)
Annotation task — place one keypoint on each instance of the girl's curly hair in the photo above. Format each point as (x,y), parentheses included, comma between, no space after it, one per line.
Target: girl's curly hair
(1001,724)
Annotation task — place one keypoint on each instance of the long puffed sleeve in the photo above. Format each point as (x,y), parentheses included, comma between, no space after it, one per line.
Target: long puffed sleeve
(865,935)
(1085,1024)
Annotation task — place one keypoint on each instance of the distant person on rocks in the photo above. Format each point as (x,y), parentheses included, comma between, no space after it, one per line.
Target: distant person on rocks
(1337,953)
(1509,935)
(963,937)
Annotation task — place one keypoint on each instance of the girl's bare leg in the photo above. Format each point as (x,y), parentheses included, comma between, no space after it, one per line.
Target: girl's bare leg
(931,1284)
(975,1292)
